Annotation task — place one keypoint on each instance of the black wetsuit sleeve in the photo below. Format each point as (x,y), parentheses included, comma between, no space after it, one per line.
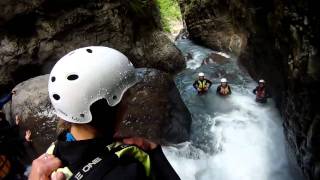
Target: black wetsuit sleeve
(255,91)
(210,83)
(195,84)
(161,167)
(229,89)
(218,89)
(5,99)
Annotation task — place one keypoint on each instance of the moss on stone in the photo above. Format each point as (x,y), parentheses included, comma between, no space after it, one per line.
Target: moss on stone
(170,11)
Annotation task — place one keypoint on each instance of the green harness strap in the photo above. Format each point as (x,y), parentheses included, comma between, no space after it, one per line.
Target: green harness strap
(133,151)
(120,150)
(202,84)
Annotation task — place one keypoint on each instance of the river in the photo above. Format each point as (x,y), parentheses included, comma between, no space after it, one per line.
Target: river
(232,138)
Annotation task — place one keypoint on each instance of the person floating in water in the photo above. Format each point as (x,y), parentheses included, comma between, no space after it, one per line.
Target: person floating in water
(202,85)
(261,92)
(224,89)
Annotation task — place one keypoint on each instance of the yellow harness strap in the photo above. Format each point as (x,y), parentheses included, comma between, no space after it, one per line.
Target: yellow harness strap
(202,84)
(135,152)
(66,171)
(129,150)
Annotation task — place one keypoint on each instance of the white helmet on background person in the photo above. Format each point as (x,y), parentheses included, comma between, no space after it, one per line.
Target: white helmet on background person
(85,76)
(201,74)
(261,81)
(223,80)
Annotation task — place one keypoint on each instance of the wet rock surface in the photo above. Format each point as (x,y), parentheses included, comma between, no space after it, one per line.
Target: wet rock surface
(155,110)
(278,41)
(32,104)
(35,34)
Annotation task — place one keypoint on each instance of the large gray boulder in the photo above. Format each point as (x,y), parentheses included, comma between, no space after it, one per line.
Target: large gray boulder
(32,104)
(155,110)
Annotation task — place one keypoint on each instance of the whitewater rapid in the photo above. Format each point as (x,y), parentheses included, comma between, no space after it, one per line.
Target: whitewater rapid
(232,138)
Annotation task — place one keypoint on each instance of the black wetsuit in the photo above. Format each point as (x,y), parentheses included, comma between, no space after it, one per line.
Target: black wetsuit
(5,99)
(199,84)
(76,154)
(261,94)
(222,94)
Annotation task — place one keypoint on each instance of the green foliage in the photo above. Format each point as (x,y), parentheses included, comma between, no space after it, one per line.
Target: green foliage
(138,6)
(170,11)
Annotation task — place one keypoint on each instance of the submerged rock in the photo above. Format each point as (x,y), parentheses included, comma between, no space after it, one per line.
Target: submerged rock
(155,110)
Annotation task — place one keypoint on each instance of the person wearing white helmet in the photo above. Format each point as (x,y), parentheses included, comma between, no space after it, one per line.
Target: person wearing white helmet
(202,85)
(85,88)
(224,89)
(261,92)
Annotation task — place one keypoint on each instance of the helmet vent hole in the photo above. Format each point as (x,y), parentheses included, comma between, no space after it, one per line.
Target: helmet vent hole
(81,115)
(53,79)
(89,50)
(56,97)
(72,77)
(114,97)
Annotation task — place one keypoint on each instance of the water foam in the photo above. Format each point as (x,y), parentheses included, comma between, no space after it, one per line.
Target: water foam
(232,138)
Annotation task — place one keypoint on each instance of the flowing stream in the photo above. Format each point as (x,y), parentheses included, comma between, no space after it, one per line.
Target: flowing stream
(232,138)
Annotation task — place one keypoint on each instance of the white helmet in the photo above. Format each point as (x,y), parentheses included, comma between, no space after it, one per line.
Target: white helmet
(223,80)
(261,81)
(86,75)
(201,74)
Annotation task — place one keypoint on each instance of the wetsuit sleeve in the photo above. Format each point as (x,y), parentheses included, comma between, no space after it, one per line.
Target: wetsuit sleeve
(229,90)
(218,89)
(5,99)
(195,84)
(210,83)
(255,91)
(161,167)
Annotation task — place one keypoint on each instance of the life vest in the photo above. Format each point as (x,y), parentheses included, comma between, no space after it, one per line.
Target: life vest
(119,149)
(224,90)
(202,84)
(261,93)
(5,166)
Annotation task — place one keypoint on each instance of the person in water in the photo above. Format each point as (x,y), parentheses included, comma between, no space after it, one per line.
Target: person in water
(224,89)
(88,149)
(202,85)
(261,92)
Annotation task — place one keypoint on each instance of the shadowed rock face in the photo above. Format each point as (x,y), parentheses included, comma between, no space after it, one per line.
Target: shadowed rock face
(276,40)
(154,110)
(35,34)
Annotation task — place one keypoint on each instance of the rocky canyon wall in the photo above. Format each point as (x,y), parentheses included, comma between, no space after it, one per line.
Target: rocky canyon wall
(34,34)
(277,40)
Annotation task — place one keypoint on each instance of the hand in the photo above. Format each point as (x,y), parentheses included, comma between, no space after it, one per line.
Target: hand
(199,89)
(28,136)
(18,119)
(142,143)
(43,166)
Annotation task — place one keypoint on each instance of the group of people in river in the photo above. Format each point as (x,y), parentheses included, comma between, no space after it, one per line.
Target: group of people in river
(202,86)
